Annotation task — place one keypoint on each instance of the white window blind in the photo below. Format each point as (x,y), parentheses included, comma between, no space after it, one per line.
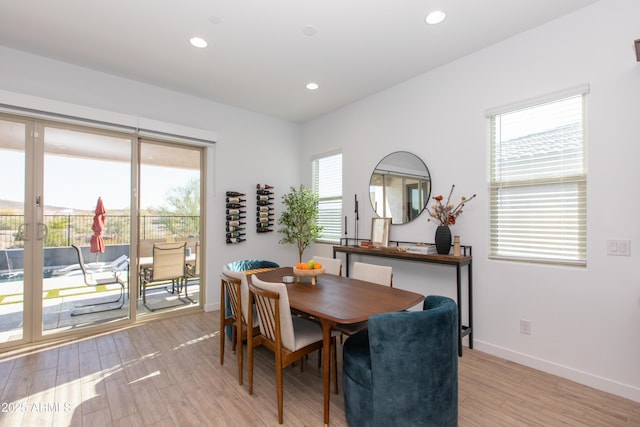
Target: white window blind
(327,183)
(538,182)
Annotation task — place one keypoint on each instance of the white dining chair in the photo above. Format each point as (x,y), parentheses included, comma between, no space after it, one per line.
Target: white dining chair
(380,274)
(331,265)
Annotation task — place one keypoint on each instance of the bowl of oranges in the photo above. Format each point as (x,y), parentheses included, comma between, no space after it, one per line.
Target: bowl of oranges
(308,269)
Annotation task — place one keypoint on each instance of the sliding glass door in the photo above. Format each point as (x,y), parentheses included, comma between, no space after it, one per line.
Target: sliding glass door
(86,208)
(80,212)
(14,230)
(52,177)
(170,199)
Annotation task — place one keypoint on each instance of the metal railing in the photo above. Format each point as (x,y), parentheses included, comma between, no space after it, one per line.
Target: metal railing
(65,230)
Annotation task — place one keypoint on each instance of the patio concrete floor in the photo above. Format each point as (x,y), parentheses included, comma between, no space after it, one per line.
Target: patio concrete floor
(62,294)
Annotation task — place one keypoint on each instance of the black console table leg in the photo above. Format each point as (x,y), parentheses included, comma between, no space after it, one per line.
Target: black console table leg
(459,290)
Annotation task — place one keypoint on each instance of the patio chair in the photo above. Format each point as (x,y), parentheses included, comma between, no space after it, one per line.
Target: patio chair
(92,279)
(192,270)
(168,267)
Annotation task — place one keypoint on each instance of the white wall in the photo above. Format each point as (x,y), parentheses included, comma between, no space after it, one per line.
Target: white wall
(584,320)
(251,148)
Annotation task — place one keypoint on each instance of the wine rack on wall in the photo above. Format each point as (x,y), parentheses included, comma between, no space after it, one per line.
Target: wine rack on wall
(235,218)
(264,208)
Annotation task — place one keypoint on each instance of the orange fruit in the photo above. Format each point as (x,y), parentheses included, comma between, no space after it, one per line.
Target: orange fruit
(304,266)
(317,266)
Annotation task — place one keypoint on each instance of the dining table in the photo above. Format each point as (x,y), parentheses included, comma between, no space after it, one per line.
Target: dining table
(337,300)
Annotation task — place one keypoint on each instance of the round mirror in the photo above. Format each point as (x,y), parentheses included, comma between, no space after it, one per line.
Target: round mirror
(400,187)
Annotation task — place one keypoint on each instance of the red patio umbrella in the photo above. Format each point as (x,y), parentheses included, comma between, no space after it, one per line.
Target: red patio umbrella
(97,242)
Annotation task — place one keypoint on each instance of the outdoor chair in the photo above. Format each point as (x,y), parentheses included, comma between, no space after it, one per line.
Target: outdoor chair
(168,267)
(192,270)
(331,265)
(289,337)
(104,277)
(403,370)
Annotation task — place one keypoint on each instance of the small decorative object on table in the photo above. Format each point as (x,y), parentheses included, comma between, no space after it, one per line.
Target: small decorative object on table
(445,215)
(308,269)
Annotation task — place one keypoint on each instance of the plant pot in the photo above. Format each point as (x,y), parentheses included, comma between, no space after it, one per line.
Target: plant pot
(443,239)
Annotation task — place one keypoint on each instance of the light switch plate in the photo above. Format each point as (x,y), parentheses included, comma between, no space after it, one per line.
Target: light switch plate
(619,247)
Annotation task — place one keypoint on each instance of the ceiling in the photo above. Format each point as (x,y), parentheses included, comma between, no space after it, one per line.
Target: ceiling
(260,54)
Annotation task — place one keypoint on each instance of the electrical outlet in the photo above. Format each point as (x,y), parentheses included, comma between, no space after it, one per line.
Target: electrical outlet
(525,327)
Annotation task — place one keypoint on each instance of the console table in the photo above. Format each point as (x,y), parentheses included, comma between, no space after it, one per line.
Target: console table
(456,261)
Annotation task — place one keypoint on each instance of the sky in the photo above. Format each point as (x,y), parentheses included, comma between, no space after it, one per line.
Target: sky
(76,183)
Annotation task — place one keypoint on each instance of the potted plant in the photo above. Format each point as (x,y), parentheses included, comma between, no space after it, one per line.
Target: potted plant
(445,214)
(298,220)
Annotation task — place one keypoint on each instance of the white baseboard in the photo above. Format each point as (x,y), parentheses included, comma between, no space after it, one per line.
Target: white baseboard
(623,390)
(212,307)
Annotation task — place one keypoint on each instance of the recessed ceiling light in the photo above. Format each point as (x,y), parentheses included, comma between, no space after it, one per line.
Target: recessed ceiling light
(312,86)
(198,42)
(435,17)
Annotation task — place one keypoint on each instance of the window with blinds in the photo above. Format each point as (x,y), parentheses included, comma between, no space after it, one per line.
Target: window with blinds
(538,182)
(327,183)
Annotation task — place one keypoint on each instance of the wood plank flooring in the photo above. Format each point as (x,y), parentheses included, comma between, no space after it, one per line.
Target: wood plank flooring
(167,373)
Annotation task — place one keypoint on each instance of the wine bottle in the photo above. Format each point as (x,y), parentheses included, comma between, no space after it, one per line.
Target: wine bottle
(235,200)
(234,229)
(263,230)
(234,194)
(264,203)
(235,234)
(235,211)
(264,214)
(235,217)
(264,208)
(264,197)
(234,206)
(264,192)
(264,224)
(264,187)
(235,223)
(235,240)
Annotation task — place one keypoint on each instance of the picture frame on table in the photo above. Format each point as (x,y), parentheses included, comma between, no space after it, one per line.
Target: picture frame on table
(380,232)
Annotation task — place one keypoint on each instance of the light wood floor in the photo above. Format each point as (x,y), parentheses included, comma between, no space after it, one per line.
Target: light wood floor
(167,373)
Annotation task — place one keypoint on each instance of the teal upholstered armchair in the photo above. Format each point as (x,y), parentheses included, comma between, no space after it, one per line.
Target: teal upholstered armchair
(403,370)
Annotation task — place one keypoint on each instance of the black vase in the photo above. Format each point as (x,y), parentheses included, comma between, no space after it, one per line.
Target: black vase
(443,239)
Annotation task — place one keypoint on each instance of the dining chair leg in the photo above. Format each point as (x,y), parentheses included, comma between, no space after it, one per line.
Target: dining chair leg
(279,388)
(222,337)
(250,364)
(240,334)
(222,324)
(334,364)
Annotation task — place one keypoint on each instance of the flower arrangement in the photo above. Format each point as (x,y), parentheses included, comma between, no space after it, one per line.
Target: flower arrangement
(446,214)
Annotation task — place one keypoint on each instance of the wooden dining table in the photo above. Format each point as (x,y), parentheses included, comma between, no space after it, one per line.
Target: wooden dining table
(337,300)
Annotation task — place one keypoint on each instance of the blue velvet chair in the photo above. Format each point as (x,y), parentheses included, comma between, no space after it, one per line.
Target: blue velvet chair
(403,370)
